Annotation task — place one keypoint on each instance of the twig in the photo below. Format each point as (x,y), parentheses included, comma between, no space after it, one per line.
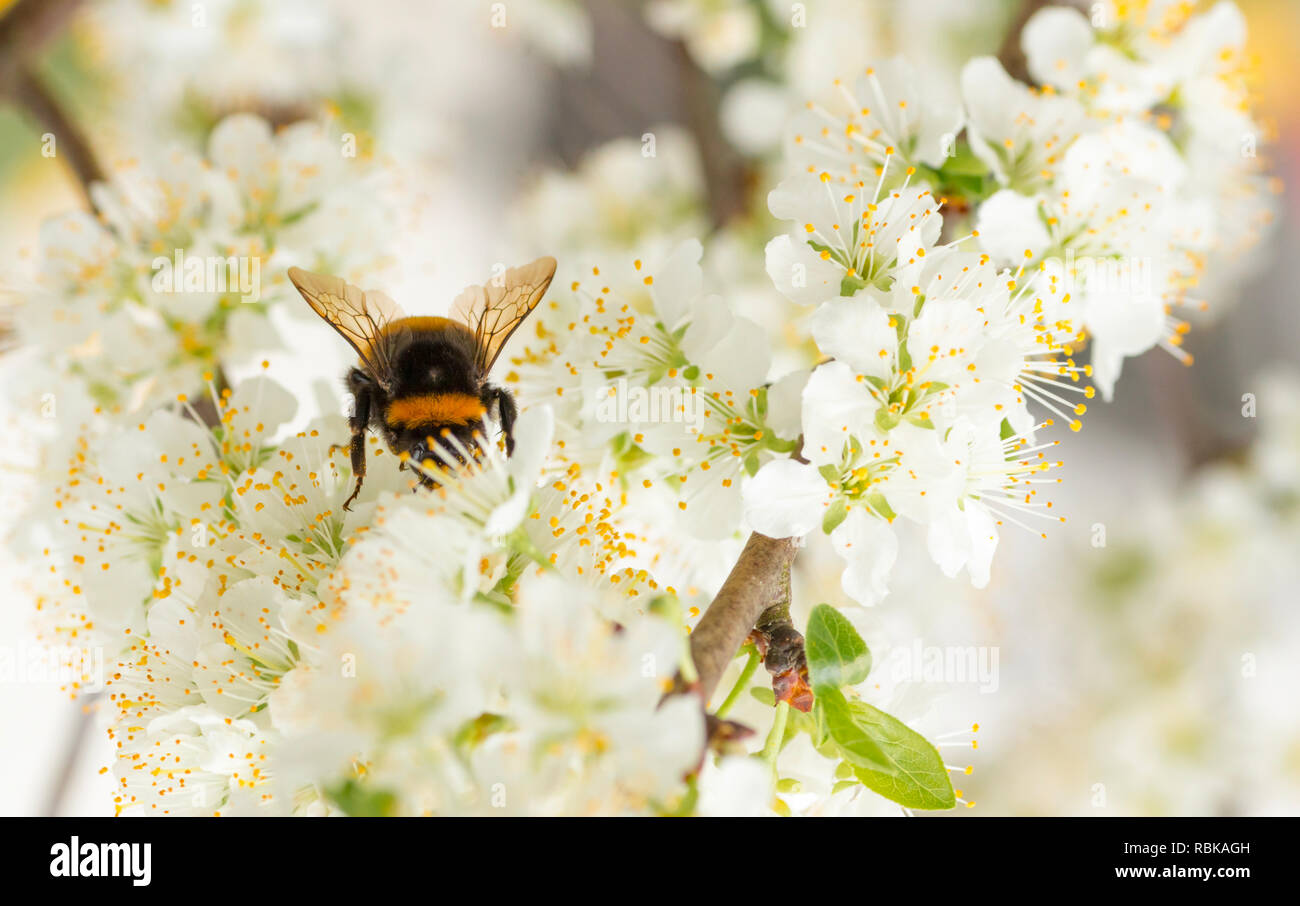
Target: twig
(741,684)
(23,32)
(1203,440)
(776,736)
(760,579)
(30,93)
(726,176)
(26,28)
(56,795)
(1010,54)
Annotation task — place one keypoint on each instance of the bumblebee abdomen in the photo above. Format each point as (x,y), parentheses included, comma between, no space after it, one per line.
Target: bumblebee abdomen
(433,409)
(429,325)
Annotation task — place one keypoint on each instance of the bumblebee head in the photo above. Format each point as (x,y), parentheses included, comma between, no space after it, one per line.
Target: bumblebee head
(447,447)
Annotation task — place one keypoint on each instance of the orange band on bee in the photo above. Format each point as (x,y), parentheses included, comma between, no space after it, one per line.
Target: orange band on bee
(418,323)
(435,409)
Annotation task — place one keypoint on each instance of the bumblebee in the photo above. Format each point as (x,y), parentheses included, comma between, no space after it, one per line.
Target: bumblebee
(419,379)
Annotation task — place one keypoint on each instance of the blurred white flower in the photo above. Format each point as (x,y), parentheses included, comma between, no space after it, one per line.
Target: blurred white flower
(630,195)
(560,29)
(752,115)
(186,244)
(893,113)
(719,35)
(735,787)
(500,638)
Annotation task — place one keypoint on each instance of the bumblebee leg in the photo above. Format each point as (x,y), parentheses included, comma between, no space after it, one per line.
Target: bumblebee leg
(506,412)
(362,389)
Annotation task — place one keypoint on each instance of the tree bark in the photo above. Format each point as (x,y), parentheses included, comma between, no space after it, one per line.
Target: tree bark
(759,580)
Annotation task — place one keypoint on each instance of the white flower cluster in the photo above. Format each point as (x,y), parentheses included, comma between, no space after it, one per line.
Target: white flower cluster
(175,277)
(940,356)
(503,641)
(924,410)
(445,652)
(221,56)
(273,650)
(659,386)
(1133,173)
(630,194)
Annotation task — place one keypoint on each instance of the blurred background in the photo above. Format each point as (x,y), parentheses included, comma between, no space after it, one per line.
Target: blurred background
(1144,656)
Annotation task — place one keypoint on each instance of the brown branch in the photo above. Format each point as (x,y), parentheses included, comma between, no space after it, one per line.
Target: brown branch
(31,94)
(1010,54)
(27,27)
(1202,438)
(759,580)
(727,177)
(24,31)
(756,594)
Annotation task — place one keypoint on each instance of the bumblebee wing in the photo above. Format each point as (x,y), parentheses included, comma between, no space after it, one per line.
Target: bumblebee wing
(494,311)
(359,316)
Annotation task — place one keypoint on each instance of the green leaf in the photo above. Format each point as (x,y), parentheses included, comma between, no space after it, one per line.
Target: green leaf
(829,472)
(835,514)
(764,695)
(851,284)
(854,744)
(886,421)
(361,802)
(837,656)
(916,777)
